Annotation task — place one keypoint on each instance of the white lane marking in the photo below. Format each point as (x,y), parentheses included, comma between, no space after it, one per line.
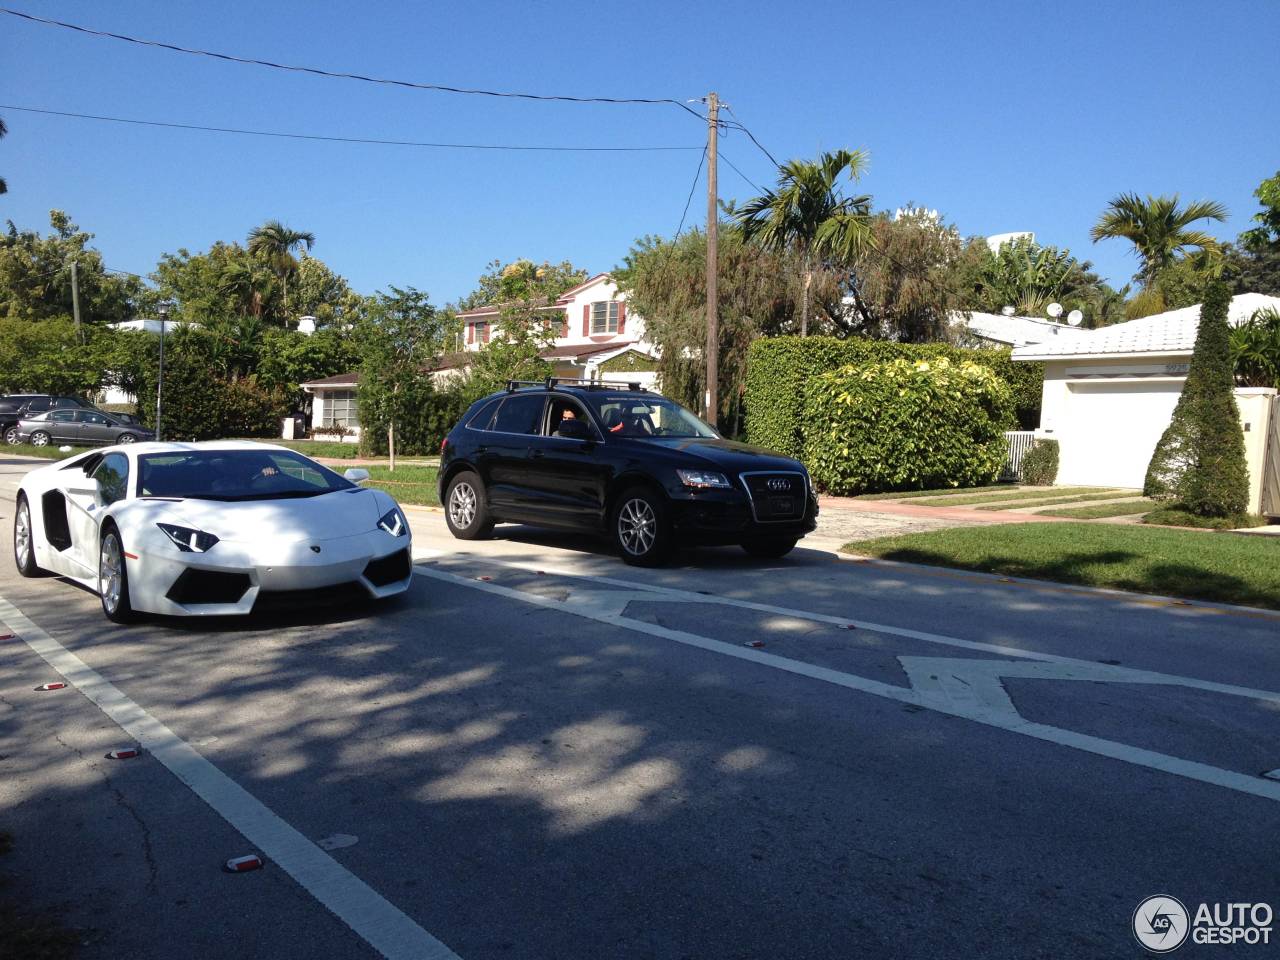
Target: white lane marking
(380,924)
(977,710)
(665,594)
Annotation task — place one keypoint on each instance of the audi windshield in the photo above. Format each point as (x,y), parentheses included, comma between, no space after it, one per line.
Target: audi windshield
(639,417)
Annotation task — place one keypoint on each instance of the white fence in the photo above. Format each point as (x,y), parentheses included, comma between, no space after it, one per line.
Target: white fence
(1020,442)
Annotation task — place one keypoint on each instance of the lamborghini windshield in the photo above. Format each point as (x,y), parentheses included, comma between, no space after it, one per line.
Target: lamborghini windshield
(647,416)
(234,475)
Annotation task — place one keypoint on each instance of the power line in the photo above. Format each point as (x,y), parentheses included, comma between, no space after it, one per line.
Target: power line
(341,75)
(692,187)
(315,136)
(735,169)
(743,127)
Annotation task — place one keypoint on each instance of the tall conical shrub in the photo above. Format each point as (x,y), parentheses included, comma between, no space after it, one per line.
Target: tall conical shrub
(1199,462)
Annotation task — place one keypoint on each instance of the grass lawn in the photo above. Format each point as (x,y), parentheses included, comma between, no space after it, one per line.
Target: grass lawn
(1228,568)
(316,448)
(1126,508)
(1050,501)
(1040,494)
(407,484)
(908,494)
(50,452)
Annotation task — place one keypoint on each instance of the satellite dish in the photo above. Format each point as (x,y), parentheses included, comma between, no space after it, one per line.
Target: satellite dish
(1054,310)
(1075,318)
(1006,311)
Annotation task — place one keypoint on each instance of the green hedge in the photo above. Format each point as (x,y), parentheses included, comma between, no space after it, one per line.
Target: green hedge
(905,425)
(778,368)
(427,416)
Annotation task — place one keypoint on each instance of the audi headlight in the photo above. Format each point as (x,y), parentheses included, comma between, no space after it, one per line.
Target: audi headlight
(188,540)
(394,523)
(704,479)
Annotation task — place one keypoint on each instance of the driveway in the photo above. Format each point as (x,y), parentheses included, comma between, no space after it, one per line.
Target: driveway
(540,752)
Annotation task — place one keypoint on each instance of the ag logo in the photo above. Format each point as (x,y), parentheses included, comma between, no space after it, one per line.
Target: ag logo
(778,484)
(1161,923)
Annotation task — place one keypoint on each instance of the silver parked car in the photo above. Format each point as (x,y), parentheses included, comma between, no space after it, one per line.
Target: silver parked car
(80,428)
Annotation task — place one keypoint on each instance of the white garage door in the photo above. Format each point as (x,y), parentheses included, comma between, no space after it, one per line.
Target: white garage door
(1111,429)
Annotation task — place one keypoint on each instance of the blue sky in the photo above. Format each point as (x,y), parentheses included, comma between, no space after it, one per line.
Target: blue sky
(1003,115)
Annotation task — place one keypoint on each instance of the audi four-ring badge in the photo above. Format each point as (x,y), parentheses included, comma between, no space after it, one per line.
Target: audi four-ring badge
(197,529)
(612,458)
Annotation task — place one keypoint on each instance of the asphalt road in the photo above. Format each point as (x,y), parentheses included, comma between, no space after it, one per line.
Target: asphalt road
(540,752)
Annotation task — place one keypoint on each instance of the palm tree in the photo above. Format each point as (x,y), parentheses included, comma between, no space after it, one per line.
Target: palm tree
(1158,229)
(275,243)
(807,214)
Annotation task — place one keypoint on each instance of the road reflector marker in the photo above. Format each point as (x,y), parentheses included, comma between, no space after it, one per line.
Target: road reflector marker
(850,626)
(1273,774)
(56,685)
(757,644)
(244,864)
(1006,579)
(6,636)
(485,579)
(124,753)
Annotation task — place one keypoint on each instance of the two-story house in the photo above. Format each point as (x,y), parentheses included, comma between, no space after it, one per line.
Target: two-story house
(596,336)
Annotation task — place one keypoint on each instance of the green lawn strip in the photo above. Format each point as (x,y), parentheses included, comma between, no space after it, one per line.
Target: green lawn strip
(315,448)
(46,453)
(1221,567)
(1041,494)
(1176,516)
(909,494)
(1049,502)
(1125,508)
(407,484)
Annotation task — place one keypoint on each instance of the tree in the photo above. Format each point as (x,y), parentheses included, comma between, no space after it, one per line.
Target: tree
(1267,234)
(1255,349)
(1158,229)
(1028,276)
(665,282)
(400,336)
(905,282)
(35,276)
(275,244)
(808,214)
(1199,461)
(49,356)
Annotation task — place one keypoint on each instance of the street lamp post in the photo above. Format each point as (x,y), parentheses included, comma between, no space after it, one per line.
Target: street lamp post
(163,310)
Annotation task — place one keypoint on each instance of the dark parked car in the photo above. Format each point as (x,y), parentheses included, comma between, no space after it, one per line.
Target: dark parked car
(18,405)
(626,462)
(80,428)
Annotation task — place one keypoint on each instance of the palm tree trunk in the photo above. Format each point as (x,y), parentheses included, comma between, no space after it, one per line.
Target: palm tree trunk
(804,300)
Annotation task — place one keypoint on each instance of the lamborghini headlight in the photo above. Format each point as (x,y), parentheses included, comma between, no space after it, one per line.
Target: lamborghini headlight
(188,540)
(394,523)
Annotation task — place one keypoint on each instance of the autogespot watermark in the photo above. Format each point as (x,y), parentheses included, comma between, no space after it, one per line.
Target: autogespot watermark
(1162,924)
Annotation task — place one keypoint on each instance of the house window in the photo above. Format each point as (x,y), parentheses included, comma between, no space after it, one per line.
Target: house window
(340,409)
(604,317)
(482,331)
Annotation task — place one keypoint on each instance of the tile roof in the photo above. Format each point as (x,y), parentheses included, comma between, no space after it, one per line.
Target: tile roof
(1016,331)
(1171,332)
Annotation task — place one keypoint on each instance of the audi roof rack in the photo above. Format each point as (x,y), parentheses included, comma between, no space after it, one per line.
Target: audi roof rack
(552,382)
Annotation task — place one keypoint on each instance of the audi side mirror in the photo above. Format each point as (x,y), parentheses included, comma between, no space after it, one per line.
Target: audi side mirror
(356,474)
(574,430)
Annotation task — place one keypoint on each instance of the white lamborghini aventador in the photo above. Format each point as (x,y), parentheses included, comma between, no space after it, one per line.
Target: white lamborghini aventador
(196,529)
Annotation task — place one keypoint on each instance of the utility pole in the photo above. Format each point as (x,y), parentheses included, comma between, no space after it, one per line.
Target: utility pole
(75,299)
(164,315)
(713,258)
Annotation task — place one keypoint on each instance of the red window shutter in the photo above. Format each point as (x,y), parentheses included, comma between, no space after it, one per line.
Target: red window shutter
(586,319)
(486,333)
(471,333)
(622,317)
(564,325)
